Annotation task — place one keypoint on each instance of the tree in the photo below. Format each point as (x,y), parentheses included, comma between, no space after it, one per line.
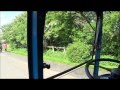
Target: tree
(64,27)
(15,33)
(111,33)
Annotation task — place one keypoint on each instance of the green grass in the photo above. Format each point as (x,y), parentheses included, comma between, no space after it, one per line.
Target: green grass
(109,64)
(57,56)
(21,51)
(60,57)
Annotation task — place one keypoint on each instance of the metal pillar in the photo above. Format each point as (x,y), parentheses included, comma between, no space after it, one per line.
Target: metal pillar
(36,21)
(98,42)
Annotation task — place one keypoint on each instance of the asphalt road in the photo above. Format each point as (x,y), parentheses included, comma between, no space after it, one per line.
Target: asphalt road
(13,66)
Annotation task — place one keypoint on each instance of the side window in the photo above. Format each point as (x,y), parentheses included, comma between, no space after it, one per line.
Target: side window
(67,42)
(13,45)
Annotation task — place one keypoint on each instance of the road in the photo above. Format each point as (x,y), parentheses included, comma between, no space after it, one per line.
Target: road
(14,66)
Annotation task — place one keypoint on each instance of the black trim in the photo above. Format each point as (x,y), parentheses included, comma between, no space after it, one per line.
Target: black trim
(40,32)
(29,43)
(60,5)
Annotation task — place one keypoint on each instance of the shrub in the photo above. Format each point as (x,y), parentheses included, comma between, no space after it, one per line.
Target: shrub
(78,52)
(57,54)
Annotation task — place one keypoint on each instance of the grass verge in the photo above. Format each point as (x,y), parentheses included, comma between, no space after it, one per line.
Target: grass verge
(21,51)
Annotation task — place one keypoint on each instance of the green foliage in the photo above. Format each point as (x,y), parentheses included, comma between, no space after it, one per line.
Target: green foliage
(21,51)
(78,52)
(57,56)
(55,53)
(62,27)
(65,27)
(15,33)
(111,34)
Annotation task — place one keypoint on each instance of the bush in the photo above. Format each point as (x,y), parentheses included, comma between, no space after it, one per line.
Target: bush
(78,52)
(58,54)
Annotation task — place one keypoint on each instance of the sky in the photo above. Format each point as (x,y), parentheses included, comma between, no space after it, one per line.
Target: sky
(7,16)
